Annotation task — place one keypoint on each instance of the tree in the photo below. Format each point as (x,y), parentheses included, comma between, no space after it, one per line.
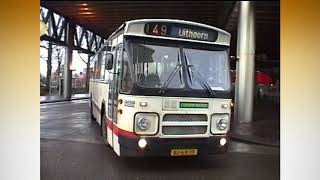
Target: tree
(48,59)
(87,70)
(58,55)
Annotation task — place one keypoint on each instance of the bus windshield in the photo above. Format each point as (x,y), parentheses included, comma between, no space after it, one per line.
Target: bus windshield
(173,66)
(212,67)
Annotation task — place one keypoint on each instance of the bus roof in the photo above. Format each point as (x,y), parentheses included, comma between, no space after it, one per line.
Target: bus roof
(137,28)
(177,21)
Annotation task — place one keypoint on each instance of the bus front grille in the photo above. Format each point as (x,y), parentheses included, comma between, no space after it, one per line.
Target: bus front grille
(184,124)
(183,130)
(185,117)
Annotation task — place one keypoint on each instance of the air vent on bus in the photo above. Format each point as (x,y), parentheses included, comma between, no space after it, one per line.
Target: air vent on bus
(183,130)
(185,117)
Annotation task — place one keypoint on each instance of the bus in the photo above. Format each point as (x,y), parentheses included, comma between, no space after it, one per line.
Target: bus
(162,87)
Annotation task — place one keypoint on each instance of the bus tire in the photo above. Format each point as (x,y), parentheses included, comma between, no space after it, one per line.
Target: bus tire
(91,111)
(104,132)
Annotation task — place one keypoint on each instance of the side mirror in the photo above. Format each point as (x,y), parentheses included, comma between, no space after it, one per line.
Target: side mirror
(109,61)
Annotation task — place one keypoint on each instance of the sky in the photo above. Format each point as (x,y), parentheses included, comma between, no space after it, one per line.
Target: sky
(77,62)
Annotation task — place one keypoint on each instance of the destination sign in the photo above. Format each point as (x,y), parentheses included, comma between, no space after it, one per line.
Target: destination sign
(194,105)
(176,30)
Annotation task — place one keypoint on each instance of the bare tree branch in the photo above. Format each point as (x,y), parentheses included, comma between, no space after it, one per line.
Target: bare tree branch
(59,54)
(44,58)
(55,46)
(82,58)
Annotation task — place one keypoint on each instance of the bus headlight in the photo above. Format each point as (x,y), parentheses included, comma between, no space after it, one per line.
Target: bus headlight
(146,123)
(220,123)
(143,123)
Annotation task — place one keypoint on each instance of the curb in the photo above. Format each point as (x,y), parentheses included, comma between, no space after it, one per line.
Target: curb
(62,100)
(254,141)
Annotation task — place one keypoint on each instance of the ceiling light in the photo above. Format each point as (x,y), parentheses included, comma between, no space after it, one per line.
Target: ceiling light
(86,13)
(84,9)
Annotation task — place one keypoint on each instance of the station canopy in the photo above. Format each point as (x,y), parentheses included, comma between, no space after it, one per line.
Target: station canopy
(104,17)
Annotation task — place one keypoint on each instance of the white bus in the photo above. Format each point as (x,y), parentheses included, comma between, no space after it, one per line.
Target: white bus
(162,87)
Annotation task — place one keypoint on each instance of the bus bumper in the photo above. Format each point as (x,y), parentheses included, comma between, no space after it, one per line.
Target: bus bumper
(162,146)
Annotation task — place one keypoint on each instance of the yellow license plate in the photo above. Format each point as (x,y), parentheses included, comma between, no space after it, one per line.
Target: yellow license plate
(184,152)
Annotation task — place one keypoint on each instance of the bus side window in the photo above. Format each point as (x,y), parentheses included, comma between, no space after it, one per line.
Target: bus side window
(110,72)
(126,79)
(95,69)
(119,54)
(102,57)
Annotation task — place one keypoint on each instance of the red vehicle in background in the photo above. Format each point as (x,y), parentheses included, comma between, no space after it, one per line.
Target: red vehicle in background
(263,78)
(266,86)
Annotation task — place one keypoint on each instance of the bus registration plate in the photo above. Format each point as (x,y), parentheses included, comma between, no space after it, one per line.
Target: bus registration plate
(184,152)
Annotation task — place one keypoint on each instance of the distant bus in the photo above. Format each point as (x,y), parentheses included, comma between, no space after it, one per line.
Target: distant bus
(162,87)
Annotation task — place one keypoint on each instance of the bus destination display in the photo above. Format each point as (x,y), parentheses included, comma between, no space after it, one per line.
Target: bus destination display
(180,31)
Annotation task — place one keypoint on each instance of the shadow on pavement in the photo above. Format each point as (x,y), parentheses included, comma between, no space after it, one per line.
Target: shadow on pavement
(265,127)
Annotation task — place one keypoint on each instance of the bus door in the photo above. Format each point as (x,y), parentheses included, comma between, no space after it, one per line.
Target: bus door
(113,85)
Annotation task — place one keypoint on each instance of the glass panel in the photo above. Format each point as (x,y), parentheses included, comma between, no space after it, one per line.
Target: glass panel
(126,79)
(211,65)
(102,57)
(159,67)
(152,65)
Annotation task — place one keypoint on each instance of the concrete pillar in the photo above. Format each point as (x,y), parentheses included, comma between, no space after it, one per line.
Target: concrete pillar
(236,95)
(67,77)
(246,54)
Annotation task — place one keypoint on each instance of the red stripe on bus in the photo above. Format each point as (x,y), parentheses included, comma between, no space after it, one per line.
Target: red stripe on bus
(118,131)
(122,132)
(109,123)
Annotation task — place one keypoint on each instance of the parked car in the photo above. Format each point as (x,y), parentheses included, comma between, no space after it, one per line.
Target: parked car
(266,86)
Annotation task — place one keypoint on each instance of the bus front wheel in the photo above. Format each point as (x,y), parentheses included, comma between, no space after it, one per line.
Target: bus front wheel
(104,128)
(91,111)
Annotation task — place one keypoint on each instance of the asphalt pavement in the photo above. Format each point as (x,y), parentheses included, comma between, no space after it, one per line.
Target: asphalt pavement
(72,148)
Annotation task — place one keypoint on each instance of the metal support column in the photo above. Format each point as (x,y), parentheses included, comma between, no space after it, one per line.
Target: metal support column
(67,77)
(246,54)
(49,67)
(88,73)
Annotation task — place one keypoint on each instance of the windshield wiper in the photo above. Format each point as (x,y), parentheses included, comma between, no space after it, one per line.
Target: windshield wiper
(167,82)
(198,76)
